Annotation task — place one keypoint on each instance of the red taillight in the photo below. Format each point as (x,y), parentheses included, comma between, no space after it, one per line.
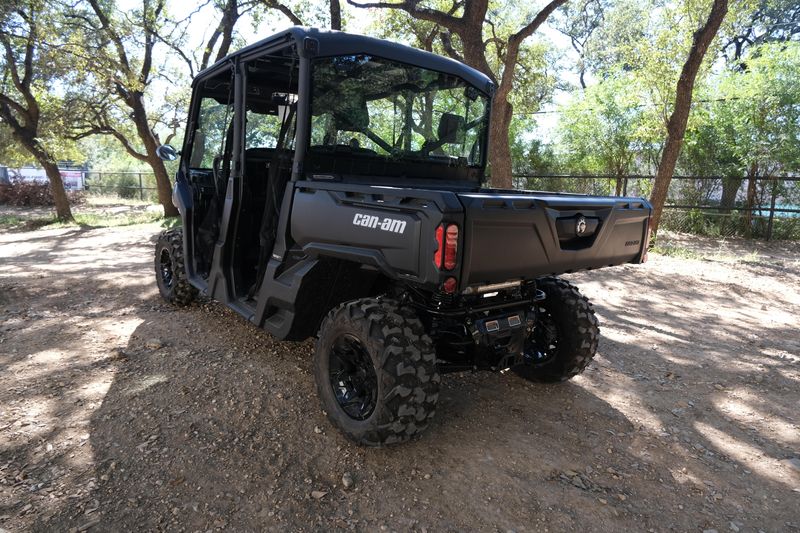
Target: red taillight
(449,286)
(450,247)
(437,257)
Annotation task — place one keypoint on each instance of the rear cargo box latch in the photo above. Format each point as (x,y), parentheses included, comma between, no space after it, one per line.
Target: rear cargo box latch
(577,232)
(580,226)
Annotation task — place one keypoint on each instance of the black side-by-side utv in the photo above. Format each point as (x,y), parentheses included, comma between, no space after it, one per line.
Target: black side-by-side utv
(330,185)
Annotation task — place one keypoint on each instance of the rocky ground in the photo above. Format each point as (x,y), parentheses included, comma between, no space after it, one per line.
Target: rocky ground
(119,412)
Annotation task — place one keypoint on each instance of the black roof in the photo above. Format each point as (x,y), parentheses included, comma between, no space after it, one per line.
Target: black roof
(332,43)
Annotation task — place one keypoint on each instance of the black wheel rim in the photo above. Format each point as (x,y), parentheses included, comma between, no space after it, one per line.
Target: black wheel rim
(165,269)
(541,345)
(353,377)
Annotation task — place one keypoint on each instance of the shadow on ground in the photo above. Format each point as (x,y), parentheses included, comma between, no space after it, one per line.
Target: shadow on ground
(190,419)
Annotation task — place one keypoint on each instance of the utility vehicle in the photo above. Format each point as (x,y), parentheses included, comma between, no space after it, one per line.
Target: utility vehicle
(330,185)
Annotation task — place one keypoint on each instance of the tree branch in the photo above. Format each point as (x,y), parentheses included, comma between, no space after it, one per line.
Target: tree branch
(11,61)
(105,24)
(177,49)
(515,41)
(528,30)
(27,63)
(12,104)
(273,4)
(447,43)
(336,14)
(149,23)
(7,115)
(23,85)
(452,23)
(212,41)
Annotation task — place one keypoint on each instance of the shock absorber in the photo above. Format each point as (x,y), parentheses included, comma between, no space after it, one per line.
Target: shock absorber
(441,299)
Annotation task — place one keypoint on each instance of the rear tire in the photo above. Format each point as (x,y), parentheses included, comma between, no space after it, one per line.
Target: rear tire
(375,370)
(571,334)
(171,269)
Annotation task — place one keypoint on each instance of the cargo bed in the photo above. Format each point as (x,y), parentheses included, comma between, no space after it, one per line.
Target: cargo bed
(508,235)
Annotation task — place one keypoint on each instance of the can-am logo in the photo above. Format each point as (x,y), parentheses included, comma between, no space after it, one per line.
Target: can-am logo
(386,224)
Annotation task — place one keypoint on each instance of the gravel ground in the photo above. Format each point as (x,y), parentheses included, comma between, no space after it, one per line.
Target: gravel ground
(118,412)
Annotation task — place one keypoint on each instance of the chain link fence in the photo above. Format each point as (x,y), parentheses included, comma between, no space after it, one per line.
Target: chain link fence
(716,206)
(127,185)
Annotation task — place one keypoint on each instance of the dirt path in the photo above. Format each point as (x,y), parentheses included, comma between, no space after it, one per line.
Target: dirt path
(118,412)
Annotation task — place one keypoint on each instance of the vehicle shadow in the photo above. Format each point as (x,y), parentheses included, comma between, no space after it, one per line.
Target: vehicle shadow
(225,431)
(200,421)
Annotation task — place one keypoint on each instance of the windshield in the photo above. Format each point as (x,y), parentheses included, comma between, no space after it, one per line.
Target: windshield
(376,108)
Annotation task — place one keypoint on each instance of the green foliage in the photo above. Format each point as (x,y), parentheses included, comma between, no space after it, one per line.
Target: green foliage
(127,186)
(760,111)
(535,74)
(603,128)
(39,25)
(533,157)
(84,218)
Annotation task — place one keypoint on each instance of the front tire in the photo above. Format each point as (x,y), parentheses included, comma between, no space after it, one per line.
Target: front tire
(170,269)
(375,370)
(565,338)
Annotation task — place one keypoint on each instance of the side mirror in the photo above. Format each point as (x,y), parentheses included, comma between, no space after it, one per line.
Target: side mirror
(167,152)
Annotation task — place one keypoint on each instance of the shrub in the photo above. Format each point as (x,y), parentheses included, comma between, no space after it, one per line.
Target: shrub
(22,193)
(127,186)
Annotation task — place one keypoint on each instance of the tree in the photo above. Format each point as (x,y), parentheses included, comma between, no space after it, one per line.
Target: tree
(600,130)
(498,56)
(309,13)
(676,126)
(579,22)
(117,55)
(760,109)
(710,149)
(26,108)
(770,21)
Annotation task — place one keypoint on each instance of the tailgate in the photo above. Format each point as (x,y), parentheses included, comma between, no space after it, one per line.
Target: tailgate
(512,236)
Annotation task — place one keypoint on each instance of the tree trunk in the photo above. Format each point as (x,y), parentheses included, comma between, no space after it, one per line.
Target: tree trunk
(676,126)
(336,15)
(163,185)
(148,138)
(730,188)
(229,18)
(752,181)
(499,147)
(48,162)
(63,210)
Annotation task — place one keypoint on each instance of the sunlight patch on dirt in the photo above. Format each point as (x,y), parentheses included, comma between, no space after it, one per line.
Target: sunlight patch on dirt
(740,451)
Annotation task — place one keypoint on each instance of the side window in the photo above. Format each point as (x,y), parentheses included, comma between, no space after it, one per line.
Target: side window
(264,123)
(262,130)
(209,136)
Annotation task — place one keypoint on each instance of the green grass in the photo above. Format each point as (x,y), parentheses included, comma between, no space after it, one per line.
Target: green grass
(681,252)
(171,222)
(111,199)
(87,220)
(676,251)
(122,219)
(10,221)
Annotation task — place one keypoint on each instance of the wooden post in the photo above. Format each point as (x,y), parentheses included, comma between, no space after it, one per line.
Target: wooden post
(141,190)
